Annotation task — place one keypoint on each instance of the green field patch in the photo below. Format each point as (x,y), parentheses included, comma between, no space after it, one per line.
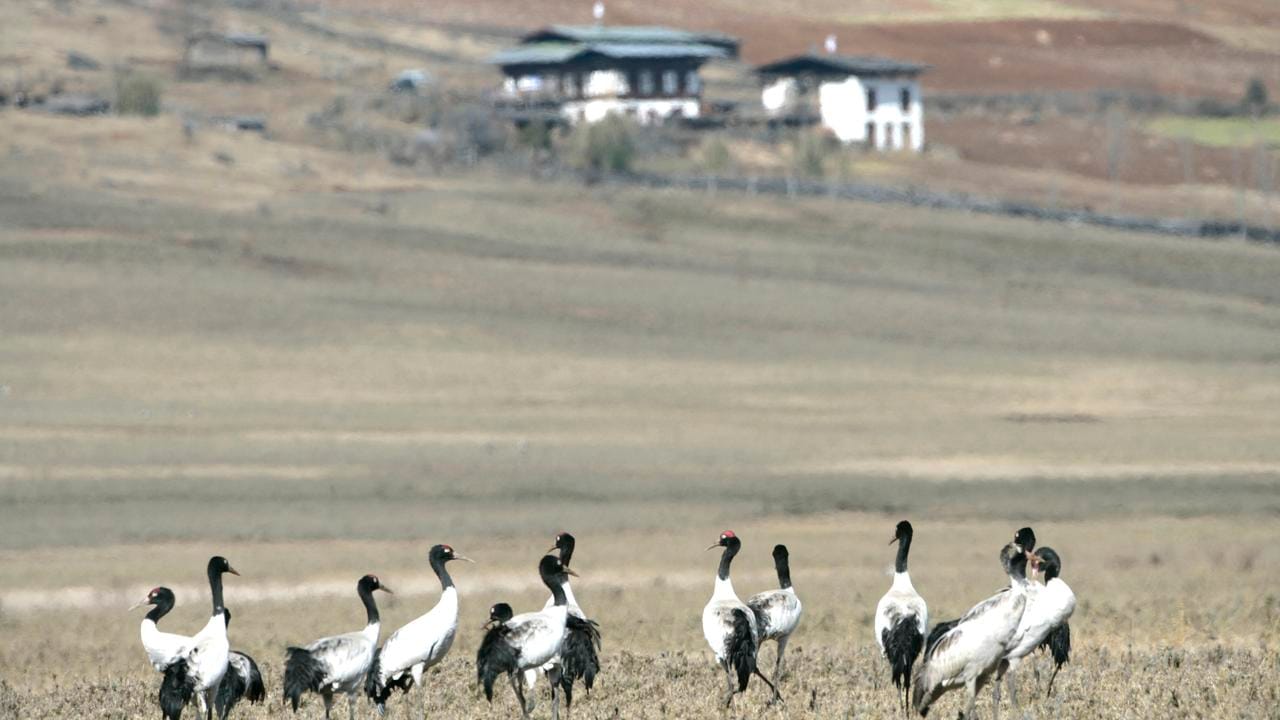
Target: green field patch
(1219,132)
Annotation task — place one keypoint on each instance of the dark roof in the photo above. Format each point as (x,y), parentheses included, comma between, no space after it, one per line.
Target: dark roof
(843,65)
(558,52)
(632,34)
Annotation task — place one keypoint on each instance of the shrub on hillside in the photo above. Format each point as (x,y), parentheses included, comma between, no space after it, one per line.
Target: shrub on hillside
(606,146)
(809,155)
(137,95)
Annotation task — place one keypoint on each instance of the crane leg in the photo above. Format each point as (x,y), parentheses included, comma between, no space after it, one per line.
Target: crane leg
(779,666)
(971,690)
(555,701)
(519,690)
(328,705)
(351,706)
(728,676)
(1051,678)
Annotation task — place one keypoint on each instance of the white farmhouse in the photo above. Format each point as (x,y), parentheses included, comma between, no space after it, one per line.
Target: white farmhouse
(585,73)
(870,100)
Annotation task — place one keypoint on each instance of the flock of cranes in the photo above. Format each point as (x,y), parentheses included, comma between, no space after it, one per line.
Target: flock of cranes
(561,644)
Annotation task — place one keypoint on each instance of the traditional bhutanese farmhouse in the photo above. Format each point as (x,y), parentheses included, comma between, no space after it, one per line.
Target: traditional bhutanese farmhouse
(585,73)
(868,100)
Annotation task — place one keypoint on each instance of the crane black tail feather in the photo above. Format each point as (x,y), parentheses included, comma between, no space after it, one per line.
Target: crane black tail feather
(902,644)
(1058,641)
(579,655)
(495,658)
(257,691)
(742,649)
(302,673)
(936,634)
(175,690)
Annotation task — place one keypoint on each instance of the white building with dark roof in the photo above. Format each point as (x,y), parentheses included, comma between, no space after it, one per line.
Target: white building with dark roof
(585,73)
(870,100)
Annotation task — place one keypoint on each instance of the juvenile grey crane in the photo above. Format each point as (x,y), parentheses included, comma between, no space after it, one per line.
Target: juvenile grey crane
(420,644)
(242,681)
(970,652)
(529,640)
(729,626)
(777,611)
(901,617)
(339,663)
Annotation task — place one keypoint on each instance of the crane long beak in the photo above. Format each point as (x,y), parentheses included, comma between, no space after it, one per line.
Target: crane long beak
(571,572)
(551,550)
(713,547)
(386,589)
(463,558)
(139,604)
(894,540)
(232,571)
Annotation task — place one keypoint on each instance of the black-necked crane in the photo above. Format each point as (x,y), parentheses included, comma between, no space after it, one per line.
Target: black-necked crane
(970,652)
(420,644)
(579,658)
(1054,605)
(729,626)
(1024,538)
(166,651)
(337,664)
(494,656)
(777,611)
(529,640)
(901,617)
(242,681)
(163,648)
(200,670)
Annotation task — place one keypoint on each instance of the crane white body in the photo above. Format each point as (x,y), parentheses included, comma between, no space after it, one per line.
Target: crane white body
(423,642)
(163,648)
(899,603)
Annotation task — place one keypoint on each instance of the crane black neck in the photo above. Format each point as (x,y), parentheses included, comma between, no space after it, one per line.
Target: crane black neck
(783,565)
(730,549)
(215,588)
(904,548)
(438,565)
(566,552)
(557,592)
(365,591)
(164,603)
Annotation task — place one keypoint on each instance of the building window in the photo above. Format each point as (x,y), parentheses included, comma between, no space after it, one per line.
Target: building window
(670,82)
(569,85)
(871,99)
(906,99)
(906,136)
(646,82)
(692,83)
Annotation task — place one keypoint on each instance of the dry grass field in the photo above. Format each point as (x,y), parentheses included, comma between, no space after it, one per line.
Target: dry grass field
(318,374)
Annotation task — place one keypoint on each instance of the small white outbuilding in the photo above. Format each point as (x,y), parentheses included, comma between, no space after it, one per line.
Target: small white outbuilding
(870,100)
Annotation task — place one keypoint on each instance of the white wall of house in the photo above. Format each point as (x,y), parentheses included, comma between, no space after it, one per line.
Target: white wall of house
(779,96)
(645,110)
(843,108)
(608,92)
